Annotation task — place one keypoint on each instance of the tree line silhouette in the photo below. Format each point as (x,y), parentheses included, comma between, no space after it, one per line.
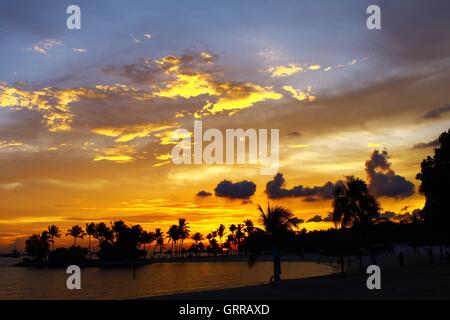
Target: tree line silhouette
(359,229)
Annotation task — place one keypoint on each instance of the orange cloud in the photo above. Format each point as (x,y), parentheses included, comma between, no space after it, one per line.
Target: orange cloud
(238,97)
(188,86)
(118,154)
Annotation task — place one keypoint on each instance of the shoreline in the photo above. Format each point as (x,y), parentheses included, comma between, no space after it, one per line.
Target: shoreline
(417,279)
(96,263)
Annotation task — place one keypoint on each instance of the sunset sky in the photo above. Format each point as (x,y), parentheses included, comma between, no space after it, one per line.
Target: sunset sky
(86,115)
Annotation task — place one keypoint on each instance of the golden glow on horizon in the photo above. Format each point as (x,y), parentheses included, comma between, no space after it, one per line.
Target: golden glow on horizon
(118,154)
(107,182)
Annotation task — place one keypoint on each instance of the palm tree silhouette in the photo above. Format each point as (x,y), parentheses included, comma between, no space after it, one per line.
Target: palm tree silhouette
(233,229)
(90,230)
(76,232)
(277,222)
(103,233)
(355,207)
(173,235)
(197,237)
(147,239)
(159,238)
(45,239)
(37,246)
(239,235)
(183,230)
(53,232)
(212,242)
(221,232)
(231,240)
(248,226)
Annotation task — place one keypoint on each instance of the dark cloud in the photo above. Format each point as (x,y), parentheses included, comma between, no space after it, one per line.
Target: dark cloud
(275,189)
(137,72)
(426,145)
(436,113)
(239,190)
(328,218)
(204,193)
(382,179)
(146,71)
(316,218)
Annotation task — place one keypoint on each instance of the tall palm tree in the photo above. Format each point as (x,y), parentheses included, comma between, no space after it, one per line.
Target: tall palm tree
(173,235)
(233,229)
(159,240)
(239,235)
(76,232)
(45,238)
(183,229)
(248,226)
(221,232)
(103,233)
(355,207)
(209,236)
(277,222)
(90,230)
(197,237)
(53,232)
(147,239)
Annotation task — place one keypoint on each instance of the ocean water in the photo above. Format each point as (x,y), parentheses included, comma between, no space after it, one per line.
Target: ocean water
(151,280)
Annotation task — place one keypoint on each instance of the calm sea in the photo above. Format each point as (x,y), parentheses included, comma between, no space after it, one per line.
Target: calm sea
(151,280)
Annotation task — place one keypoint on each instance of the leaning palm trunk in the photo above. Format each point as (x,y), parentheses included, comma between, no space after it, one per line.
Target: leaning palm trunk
(276,264)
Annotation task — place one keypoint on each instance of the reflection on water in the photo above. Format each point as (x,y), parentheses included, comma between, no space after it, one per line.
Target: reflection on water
(151,280)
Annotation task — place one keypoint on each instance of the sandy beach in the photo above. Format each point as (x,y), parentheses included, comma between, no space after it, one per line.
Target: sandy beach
(417,279)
